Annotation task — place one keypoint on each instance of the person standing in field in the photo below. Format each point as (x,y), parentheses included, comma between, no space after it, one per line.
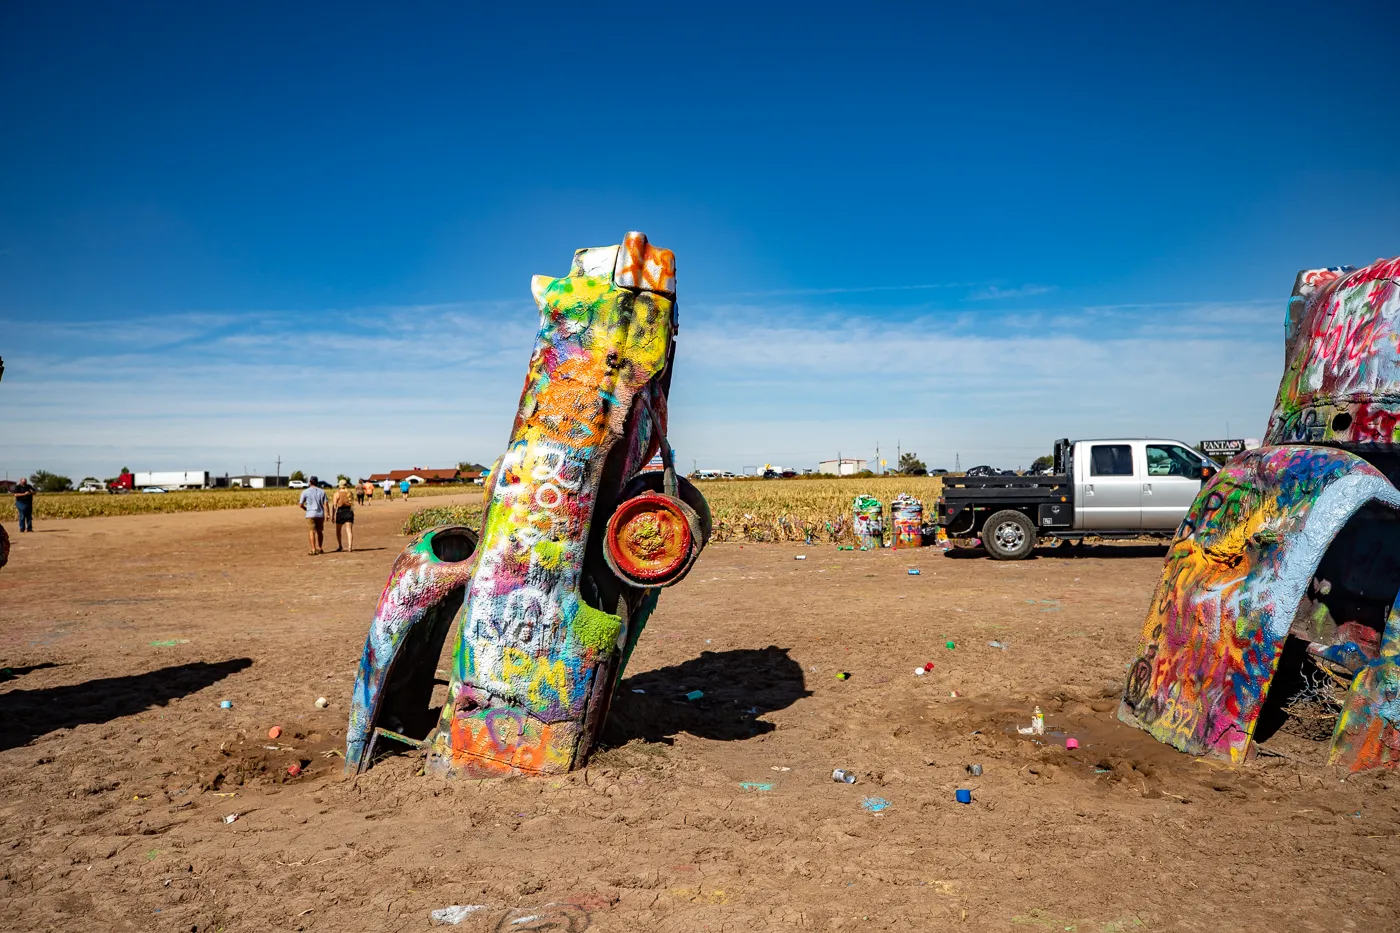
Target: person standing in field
(404,487)
(24,503)
(313,503)
(344,514)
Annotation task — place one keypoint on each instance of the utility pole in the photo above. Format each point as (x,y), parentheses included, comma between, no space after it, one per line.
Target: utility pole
(877,458)
(957,463)
(278,480)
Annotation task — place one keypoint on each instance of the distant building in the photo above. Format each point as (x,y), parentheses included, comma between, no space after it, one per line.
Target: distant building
(846,466)
(420,475)
(250,481)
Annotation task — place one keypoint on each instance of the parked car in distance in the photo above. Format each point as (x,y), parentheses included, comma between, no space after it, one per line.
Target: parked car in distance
(297,484)
(91,487)
(153,489)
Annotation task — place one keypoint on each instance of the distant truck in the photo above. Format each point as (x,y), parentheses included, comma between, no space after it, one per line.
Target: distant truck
(1099,488)
(174,479)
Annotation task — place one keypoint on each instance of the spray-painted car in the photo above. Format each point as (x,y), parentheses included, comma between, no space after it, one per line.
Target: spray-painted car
(1293,544)
(575,542)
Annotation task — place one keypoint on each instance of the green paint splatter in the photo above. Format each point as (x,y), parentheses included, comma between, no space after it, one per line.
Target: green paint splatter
(596,629)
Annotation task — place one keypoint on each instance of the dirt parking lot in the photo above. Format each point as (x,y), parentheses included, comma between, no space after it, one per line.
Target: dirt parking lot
(118,767)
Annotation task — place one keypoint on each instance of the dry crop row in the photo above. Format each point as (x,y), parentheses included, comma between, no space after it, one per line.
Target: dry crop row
(89,505)
(804,510)
(759,510)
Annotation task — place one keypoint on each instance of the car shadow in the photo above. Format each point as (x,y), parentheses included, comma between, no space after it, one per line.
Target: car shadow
(27,714)
(736,688)
(1069,551)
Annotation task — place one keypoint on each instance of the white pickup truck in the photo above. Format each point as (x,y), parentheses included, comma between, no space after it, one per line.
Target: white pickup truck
(1119,488)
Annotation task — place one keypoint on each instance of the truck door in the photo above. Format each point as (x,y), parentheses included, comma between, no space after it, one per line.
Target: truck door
(1171,485)
(1109,493)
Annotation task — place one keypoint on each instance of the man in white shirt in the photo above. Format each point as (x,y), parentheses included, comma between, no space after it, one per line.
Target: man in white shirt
(313,503)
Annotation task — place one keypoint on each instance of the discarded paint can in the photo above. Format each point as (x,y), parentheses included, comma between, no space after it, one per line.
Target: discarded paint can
(907,517)
(1037,722)
(225,704)
(1071,744)
(842,776)
(322,702)
(974,770)
(869,524)
(843,675)
(963,795)
(694,695)
(274,732)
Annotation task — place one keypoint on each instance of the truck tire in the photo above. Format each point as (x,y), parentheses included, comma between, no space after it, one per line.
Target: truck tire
(1008,535)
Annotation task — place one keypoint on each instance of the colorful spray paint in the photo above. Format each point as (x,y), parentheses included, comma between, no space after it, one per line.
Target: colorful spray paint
(1298,539)
(907,521)
(868,522)
(576,539)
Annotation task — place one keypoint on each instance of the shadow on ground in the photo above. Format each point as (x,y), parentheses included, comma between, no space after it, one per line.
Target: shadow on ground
(737,686)
(1069,551)
(27,714)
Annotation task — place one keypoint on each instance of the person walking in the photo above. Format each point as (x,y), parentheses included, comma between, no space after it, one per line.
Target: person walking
(313,503)
(404,487)
(359,493)
(24,503)
(344,514)
(388,490)
(369,493)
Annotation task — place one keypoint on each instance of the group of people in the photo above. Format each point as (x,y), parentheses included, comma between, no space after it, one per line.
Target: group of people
(341,508)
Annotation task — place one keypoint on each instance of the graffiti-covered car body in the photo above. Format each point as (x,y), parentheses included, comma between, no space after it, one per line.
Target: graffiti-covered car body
(1299,538)
(576,537)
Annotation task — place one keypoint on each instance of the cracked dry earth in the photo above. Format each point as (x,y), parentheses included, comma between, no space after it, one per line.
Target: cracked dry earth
(118,767)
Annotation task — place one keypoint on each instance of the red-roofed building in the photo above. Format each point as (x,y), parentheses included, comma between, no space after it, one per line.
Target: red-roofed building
(419,475)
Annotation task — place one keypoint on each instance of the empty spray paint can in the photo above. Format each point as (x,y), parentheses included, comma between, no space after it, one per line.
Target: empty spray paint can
(974,770)
(842,776)
(963,795)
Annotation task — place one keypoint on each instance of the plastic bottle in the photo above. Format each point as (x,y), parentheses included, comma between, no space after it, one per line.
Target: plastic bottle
(1037,722)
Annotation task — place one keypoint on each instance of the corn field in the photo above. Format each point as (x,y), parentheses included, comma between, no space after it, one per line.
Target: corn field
(809,510)
(91,505)
(813,510)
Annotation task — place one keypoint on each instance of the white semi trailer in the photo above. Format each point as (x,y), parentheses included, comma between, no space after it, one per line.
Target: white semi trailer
(174,479)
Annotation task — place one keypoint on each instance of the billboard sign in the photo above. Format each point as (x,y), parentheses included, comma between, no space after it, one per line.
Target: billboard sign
(1221,450)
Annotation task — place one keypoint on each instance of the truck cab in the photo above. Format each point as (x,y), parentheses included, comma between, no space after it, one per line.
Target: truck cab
(1106,488)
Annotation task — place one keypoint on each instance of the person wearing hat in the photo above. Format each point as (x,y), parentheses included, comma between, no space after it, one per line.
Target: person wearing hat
(313,503)
(344,511)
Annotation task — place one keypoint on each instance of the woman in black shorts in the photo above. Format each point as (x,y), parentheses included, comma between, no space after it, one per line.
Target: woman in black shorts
(344,515)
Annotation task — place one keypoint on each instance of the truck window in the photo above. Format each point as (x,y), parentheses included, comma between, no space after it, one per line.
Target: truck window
(1171,460)
(1111,460)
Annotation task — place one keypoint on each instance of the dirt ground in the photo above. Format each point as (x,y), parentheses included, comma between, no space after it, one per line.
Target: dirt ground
(118,767)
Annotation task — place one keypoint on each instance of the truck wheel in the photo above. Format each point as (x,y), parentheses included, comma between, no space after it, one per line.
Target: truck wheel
(1008,535)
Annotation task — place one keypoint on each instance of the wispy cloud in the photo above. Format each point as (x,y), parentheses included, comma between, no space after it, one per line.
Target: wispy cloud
(993,293)
(777,379)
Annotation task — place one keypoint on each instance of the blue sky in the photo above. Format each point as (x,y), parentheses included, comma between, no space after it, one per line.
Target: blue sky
(228,234)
